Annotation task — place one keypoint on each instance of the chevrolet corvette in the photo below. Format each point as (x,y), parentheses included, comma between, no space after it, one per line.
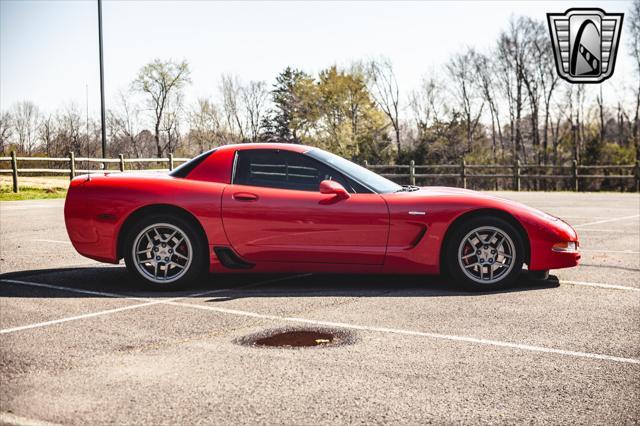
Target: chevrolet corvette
(292,208)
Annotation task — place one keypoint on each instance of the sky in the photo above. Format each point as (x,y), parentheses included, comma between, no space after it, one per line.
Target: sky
(49,49)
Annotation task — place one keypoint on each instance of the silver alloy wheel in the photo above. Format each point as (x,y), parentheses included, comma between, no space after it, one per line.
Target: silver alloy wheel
(486,255)
(162,253)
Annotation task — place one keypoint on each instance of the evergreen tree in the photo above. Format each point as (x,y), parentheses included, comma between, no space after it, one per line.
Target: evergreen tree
(294,103)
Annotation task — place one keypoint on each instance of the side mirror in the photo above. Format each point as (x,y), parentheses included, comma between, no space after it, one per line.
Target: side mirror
(333,187)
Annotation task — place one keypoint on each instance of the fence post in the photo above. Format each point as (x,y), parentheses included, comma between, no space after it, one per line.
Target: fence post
(121,157)
(14,169)
(170,161)
(72,165)
(412,172)
(574,173)
(516,176)
(463,173)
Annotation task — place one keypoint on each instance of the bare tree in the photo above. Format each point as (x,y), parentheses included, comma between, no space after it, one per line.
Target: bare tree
(68,135)
(621,116)
(231,99)
(427,103)
(532,32)
(171,123)
(162,82)
(580,120)
(573,112)
(600,102)
(511,57)
(254,98)
(386,93)
(46,134)
(26,120)
(548,78)
(506,86)
(484,71)
(461,71)
(6,130)
(205,125)
(124,127)
(634,43)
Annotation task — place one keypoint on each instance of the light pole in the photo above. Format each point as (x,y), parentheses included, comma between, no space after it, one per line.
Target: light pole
(102,110)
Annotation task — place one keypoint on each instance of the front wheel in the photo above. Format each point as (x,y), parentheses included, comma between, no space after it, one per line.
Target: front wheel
(165,251)
(485,253)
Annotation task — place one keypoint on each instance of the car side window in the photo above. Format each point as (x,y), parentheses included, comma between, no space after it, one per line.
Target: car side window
(283,169)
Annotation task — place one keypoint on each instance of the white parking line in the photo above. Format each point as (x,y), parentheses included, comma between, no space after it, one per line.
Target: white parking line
(600,285)
(75,290)
(608,231)
(12,419)
(465,339)
(148,302)
(610,251)
(51,241)
(580,217)
(5,208)
(78,317)
(607,220)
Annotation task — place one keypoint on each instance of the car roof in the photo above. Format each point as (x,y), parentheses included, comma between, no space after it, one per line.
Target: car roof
(218,167)
(282,146)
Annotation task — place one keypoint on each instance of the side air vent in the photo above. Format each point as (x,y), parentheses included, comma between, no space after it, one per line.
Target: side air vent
(419,237)
(230,259)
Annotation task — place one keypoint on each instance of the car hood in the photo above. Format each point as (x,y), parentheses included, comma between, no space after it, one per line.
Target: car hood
(463,200)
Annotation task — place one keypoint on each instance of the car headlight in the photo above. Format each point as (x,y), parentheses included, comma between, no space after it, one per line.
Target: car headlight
(566,247)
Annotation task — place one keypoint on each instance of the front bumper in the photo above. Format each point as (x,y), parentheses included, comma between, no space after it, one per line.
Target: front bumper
(552,249)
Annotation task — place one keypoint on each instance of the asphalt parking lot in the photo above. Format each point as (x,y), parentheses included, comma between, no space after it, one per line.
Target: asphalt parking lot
(81,344)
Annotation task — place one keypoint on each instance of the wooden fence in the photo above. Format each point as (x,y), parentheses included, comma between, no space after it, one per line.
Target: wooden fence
(577,176)
(69,165)
(515,174)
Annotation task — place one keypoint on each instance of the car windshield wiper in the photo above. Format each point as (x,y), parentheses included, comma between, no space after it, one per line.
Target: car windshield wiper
(408,188)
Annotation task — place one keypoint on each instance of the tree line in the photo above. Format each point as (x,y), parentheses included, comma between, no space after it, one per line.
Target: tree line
(495,106)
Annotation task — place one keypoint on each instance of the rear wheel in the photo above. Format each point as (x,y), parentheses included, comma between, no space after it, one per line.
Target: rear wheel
(485,253)
(165,251)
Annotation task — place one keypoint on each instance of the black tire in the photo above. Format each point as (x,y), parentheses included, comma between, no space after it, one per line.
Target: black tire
(455,253)
(195,245)
(538,275)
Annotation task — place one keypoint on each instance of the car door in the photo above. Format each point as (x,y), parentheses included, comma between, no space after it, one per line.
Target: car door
(273,211)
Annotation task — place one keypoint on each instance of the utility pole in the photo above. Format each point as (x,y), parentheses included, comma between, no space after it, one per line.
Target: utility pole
(102,110)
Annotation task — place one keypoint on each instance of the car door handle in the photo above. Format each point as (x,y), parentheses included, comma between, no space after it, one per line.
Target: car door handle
(245,196)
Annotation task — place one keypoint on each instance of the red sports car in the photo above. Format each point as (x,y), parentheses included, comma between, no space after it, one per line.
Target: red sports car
(293,208)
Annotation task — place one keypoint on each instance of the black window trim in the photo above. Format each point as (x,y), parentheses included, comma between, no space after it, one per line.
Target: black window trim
(345,176)
(185,169)
(233,168)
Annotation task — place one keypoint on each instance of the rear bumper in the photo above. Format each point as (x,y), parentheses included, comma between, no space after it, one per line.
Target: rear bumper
(91,235)
(95,252)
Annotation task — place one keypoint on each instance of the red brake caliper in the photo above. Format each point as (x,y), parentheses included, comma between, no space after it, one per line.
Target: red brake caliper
(467,250)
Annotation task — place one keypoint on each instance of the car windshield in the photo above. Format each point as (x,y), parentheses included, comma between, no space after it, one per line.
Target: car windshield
(358,173)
